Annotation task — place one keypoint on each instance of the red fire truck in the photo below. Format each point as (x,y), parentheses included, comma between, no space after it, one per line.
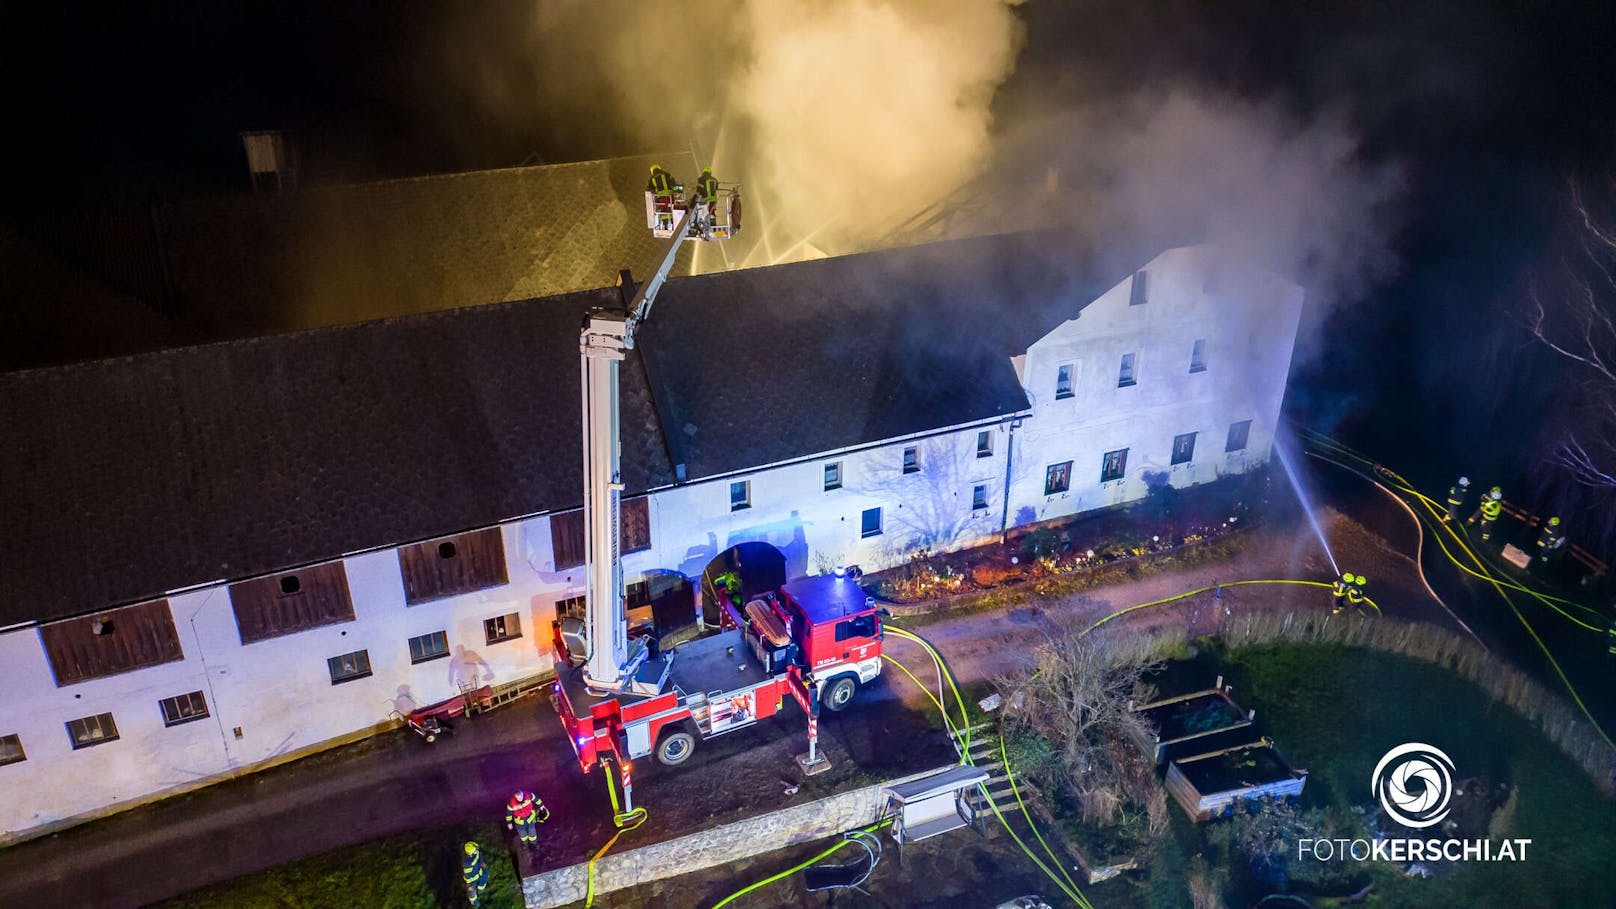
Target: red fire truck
(817,640)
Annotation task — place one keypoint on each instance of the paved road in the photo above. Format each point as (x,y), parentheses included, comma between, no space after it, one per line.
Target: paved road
(397,782)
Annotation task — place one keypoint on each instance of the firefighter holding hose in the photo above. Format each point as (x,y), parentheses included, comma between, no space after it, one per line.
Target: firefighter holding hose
(1492,505)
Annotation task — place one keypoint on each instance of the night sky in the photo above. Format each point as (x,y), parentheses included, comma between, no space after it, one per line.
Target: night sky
(1489,108)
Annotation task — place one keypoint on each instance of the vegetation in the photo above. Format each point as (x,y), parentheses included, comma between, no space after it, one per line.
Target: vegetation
(412,869)
(1077,736)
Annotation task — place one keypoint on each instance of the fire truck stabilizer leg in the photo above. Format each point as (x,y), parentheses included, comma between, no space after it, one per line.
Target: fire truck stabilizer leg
(813,762)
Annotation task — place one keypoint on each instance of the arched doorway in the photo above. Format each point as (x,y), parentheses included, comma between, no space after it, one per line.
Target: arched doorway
(761,567)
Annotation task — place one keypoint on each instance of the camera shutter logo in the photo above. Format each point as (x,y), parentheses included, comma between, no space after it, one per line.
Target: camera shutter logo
(1414,782)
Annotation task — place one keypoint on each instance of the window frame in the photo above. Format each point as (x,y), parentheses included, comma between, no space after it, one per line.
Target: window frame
(81,744)
(745,500)
(979,497)
(364,656)
(1128,370)
(1198,356)
(1107,473)
(849,629)
(428,657)
(11,750)
(1054,486)
(831,485)
(1245,437)
(984,443)
(514,621)
(180,718)
(1065,381)
(1139,289)
(880,523)
(911,459)
(1189,456)
(563,607)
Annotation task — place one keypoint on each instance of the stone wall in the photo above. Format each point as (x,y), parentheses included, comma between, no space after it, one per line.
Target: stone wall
(805,823)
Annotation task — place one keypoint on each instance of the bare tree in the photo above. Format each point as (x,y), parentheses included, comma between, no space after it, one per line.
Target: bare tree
(1572,314)
(1078,696)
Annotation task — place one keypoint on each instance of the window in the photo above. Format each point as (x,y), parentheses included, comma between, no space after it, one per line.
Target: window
(861,627)
(911,459)
(870,523)
(467,562)
(118,640)
(92,730)
(979,496)
(571,607)
(1125,376)
(276,606)
(11,750)
(984,444)
(349,666)
(429,647)
(502,628)
(1058,478)
(634,524)
(740,495)
(833,475)
(1116,464)
(1063,381)
(567,539)
(1238,432)
(1136,293)
(1198,356)
(183,708)
(1183,448)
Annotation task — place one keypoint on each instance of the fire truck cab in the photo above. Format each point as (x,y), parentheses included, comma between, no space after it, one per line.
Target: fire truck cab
(817,640)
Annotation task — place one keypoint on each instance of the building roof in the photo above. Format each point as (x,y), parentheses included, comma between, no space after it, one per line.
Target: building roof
(129,477)
(342,254)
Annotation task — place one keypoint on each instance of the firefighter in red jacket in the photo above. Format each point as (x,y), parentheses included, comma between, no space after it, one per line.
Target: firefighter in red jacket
(524,813)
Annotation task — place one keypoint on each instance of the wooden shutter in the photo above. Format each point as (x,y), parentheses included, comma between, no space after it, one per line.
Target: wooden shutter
(291,601)
(453,565)
(132,637)
(567,538)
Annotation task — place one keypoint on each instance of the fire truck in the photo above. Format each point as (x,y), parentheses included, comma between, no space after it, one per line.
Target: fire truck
(817,639)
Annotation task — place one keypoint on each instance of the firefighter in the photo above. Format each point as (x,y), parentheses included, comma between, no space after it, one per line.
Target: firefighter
(1456,496)
(1492,504)
(662,187)
(1550,542)
(475,874)
(524,813)
(707,194)
(1339,593)
(1355,594)
(661,183)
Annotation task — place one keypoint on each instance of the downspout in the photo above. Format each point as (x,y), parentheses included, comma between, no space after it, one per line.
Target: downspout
(207,675)
(1009,463)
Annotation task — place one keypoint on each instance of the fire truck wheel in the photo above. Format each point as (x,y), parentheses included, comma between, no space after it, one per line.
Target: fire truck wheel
(839,693)
(675,747)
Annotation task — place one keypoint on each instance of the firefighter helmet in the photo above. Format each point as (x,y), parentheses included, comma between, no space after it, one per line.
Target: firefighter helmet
(1554,522)
(706,170)
(1346,576)
(471,849)
(1464,481)
(1361,580)
(1496,493)
(655,168)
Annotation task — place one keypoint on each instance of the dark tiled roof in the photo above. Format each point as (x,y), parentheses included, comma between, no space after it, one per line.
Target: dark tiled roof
(123,478)
(769,364)
(343,254)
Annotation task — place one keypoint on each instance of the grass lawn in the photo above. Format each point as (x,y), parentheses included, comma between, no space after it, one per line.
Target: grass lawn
(412,869)
(1335,711)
